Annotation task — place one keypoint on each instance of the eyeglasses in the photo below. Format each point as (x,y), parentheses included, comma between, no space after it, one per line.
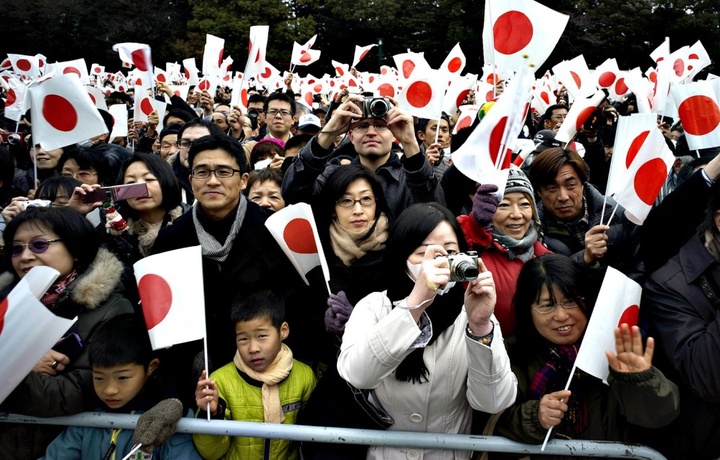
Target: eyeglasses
(80,175)
(363,127)
(184,144)
(547,309)
(347,202)
(220,173)
(274,112)
(36,246)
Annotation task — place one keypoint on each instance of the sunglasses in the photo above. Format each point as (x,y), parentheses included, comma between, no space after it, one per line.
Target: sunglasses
(36,246)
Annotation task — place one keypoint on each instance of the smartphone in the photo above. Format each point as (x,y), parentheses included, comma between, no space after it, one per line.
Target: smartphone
(71,345)
(127,191)
(95,195)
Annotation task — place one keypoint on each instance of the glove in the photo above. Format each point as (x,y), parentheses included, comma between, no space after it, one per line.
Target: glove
(155,427)
(338,312)
(484,205)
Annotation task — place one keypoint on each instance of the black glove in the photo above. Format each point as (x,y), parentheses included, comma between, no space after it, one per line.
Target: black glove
(484,205)
(155,427)
(338,312)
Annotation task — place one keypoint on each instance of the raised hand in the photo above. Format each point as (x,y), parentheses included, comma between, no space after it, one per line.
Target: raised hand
(630,355)
(480,298)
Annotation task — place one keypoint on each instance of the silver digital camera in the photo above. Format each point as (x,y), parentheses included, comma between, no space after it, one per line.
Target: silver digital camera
(375,107)
(463,266)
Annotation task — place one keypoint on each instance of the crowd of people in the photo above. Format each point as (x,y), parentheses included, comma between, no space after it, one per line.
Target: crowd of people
(452,309)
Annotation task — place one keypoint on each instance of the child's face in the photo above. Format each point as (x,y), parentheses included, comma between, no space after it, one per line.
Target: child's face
(118,385)
(259,342)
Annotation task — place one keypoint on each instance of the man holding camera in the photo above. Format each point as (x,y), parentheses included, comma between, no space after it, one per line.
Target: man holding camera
(371,125)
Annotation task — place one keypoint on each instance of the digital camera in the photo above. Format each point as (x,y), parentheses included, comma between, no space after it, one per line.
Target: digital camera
(375,107)
(34,204)
(463,266)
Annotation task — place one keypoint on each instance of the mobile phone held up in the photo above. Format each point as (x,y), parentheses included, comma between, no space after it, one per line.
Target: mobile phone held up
(71,345)
(117,193)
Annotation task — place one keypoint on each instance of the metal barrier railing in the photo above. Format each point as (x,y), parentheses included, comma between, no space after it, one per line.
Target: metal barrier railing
(354,436)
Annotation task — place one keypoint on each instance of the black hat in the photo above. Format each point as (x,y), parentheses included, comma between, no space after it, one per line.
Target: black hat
(545,139)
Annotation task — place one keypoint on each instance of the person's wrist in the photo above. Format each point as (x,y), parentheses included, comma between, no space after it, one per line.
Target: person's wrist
(481,331)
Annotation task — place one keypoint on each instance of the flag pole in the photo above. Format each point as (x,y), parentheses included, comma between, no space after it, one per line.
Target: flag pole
(134,449)
(437,129)
(567,385)
(207,373)
(602,212)
(612,214)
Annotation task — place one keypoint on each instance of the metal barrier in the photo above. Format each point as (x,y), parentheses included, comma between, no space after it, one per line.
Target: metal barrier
(353,436)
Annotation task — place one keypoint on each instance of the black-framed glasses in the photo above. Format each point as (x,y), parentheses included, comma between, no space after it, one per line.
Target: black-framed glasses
(36,246)
(546,309)
(220,173)
(184,144)
(347,202)
(363,127)
(283,112)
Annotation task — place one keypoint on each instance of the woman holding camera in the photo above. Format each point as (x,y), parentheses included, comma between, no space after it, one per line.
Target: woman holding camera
(89,287)
(430,351)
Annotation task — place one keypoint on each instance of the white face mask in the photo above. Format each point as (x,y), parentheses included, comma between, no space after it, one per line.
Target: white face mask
(86,143)
(414,270)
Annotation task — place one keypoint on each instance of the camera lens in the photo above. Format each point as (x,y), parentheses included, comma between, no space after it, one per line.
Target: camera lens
(466,270)
(13,139)
(378,107)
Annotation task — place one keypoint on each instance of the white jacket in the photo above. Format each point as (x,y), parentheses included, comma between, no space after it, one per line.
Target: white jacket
(463,374)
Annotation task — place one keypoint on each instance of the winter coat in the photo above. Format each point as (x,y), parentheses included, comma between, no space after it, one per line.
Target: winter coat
(243,401)
(463,374)
(405,182)
(686,326)
(95,296)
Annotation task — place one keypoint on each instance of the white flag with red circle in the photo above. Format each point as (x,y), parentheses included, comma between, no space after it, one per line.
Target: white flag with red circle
(468,114)
(618,303)
(97,69)
(139,55)
(609,76)
(239,94)
(76,67)
(97,97)
(293,227)
(143,104)
(15,100)
(340,68)
(361,52)
(62,113)
(27,66)
(578,114)
(191,71)
(161,76)
(408,63)
(180,91)
(256,50)
(268,75)
(699,113)
(575,77)
(662,51)
(119,113)
(520,33)
(458,90)
(455,61)
(303,56)
(212,55)
(28,329)
(172,300)
(422,95)
(208,83)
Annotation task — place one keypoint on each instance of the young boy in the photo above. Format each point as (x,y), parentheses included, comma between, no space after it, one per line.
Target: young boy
(262,384)
(122,365)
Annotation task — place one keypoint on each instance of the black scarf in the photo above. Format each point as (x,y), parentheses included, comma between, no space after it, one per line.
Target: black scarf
(442,312)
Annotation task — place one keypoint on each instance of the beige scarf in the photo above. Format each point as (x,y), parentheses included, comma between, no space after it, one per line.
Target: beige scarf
(276,372)
(349,247)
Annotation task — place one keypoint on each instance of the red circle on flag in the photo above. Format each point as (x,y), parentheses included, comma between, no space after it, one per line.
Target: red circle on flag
(11,98)
(512,32)
(177,92)
(267,73)
(204,85)
(364,53)
(630,316)
(583,116)
(3,310)
(492,78)
(156,298)
(496,138)
(138,82)
(97,70)
(461,97)
(6,64)
(621,87)
(309,98)
(576,79)
(695,124)
(419,94)
(161,77)
(649,180)
(352,82)
(72,70)
(339,71)
(386,90)
(298,235)
(490,96)
(244,97)
(693,56)
(679,67)
(653,77)
(92,98)
(23,64)
(455,64)
(635,147)
(383,71)
(305,56)
(140,61)
(606,79)
(41,63)
(146,106)
(187,74)
(464,122)
(545,97)
(407,67)
(59,113)
(371,78)
(317,88)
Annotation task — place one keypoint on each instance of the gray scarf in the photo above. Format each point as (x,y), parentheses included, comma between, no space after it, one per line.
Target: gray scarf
(522,249)
(211,248)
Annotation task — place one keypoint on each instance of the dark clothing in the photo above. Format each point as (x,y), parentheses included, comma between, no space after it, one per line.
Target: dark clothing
(405,181)
(182,174)
(686,325)
(595,159)
(623,236)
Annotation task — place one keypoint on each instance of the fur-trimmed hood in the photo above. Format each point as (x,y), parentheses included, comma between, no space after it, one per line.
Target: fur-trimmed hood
(93,287)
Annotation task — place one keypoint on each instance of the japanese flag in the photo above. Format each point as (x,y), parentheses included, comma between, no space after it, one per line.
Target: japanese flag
(699,113)
(455,61)
(519,29)
(173,71)
(161,76)
(361,52)
(618,303)
(76,67)
(143,104)
(180,91)
(139,55)
(575,77)
(340,68)
(159,107)
(15,101)
(239,95)
(97,97)
(422,95)
(458,90)
(191,71)
(409,62)
(256,50)
(293,227)
(172,300)
(610,77)
(580,111)
(97,69)
(63,114)
(387,86)
(302,56)
(212,55)
(208,83)
(642,88)
(662,51)
(120,120)
(639,166)
(268,75)
(468,114)
(27,66)
(28,329)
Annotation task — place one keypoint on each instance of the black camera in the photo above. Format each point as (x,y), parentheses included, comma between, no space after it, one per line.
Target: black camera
(375,107)
(463,266)
(253,114)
